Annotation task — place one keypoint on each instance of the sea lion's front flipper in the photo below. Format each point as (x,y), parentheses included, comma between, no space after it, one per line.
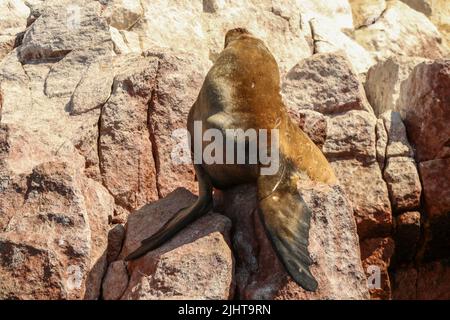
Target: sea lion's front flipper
(182,217)
(286,218)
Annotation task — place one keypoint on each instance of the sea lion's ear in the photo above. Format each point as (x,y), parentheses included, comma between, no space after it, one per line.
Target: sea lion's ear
(234,34)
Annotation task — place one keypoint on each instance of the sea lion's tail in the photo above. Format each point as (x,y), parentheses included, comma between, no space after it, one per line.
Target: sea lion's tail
(181,219)
(286,218)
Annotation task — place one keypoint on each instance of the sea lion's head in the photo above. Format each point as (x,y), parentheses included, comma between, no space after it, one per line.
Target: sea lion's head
(233,34)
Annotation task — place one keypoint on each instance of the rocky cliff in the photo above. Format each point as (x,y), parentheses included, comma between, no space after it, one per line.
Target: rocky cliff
(91,92)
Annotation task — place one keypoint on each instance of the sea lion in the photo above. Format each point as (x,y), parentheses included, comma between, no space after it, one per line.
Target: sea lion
(242,91)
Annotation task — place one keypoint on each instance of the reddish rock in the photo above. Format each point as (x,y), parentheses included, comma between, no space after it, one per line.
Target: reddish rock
(115,241)
(61,29)
(368,193)
(116,281)
(324,82)
(397,139)
(404,284)
(333,247)
(376,255)
(54,241)
(196,264)
(179,78)
(351,135)
(435,176)
(313,123)
(403,183)
(407,234)
(428,282)
(384,80)
(125,148)
(382,140)
(426,101)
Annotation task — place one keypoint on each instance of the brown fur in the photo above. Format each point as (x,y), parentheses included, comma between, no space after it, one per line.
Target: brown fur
(242,90)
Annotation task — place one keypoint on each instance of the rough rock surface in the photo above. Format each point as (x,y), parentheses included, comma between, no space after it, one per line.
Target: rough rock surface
(91,92)
(116,281)
(326,83)
(435,176)
(376,254)
(407,236)
(426,101)
(401,30)
(53,234)
(438,11)
(351,135)
(327,38)
(403,183)
(384,81)
(366,12)
(369,196)
(12,22)
(313,123)
(196,264)
(333,247)
(428,282)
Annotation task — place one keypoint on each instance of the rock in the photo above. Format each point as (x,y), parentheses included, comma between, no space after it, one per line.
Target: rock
(438,11)
(312,123)
(337,264)
(62,28)
(407,234)
(116,281)
(200,27)
(115,241)
(403,183)
(401,31)
(328,38)
(428,282)
(94,88)
(52,246)
(26,106)
(123,14)
(14,86)
(351,135)
(381,145)
(196,264)
(395,157)
(435,175)
(368,194)
(338,13)
(426,100)
(433,281)
(99,205)
(376,254)
(325,83)
(366,12)
(179,78)
(125,41)
(65,75)
(384,80)
(398,144)
(125,147)
(404,284)
(12,22)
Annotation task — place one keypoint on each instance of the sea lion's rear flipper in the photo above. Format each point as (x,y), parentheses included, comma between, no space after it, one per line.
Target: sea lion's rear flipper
(286,218)
(182,217)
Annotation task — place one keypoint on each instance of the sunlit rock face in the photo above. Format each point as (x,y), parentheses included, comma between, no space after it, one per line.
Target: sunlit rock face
(92,91)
